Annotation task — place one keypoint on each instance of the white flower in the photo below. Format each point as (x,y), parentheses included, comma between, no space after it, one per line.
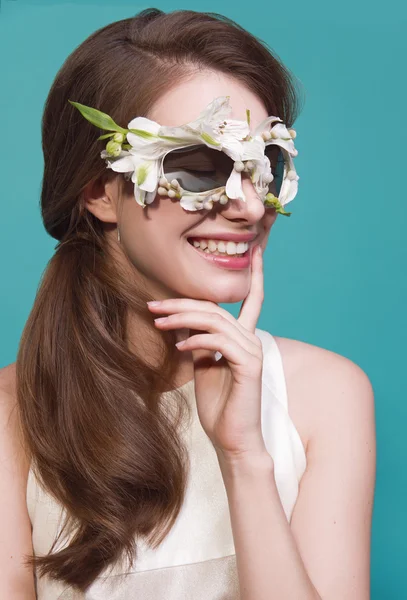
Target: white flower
(144,175)
(151,142)
(216,131)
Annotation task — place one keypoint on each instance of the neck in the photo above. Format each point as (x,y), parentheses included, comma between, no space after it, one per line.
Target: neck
(142,338)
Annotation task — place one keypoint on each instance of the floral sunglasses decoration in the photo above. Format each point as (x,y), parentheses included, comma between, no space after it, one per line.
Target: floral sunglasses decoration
(201,162)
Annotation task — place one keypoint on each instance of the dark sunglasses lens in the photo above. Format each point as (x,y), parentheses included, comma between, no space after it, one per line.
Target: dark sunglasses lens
(276,157)
(198,168)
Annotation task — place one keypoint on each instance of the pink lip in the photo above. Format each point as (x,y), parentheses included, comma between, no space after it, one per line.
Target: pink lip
(232,237)
(226,262)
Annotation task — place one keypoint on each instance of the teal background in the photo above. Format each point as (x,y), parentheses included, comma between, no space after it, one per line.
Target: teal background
(335,269)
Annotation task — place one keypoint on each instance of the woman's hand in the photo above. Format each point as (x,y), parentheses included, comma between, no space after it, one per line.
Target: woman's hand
(228,391)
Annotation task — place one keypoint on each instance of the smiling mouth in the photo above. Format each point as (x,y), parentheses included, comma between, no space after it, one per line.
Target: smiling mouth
(217,252)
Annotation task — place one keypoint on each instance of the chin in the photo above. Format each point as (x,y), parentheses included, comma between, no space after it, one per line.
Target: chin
(229,295)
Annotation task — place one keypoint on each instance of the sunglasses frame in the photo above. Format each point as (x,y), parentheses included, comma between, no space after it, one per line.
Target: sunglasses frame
(185,149)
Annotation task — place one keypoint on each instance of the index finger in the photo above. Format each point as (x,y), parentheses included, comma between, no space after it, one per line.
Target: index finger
(251,307)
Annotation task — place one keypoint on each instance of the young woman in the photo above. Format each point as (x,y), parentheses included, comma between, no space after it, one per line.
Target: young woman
(239,465)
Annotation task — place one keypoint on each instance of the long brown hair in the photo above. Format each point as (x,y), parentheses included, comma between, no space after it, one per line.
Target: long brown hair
(98,437)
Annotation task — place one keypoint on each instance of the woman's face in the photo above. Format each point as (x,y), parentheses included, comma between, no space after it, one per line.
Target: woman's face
(155,238)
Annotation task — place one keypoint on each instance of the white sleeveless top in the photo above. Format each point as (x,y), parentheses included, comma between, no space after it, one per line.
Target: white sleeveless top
(197,558)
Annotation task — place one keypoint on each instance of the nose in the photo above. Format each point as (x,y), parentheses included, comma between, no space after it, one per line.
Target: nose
(251,211)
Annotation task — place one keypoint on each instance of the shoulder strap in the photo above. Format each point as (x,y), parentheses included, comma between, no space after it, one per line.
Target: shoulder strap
(273,371)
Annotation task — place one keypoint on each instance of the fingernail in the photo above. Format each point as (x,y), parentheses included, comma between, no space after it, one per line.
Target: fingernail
(179,344)
(154,303)
(258,249)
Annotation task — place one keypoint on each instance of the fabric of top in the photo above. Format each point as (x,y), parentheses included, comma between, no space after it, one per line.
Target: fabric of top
(196,561)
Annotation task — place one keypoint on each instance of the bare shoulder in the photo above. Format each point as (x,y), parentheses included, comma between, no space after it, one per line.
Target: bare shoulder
(8,412)
(8,380)
(331,402)
(8,399)
(11,444)
(322,387)
(17,579)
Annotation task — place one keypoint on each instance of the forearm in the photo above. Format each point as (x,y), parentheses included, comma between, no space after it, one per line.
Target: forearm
(268,561)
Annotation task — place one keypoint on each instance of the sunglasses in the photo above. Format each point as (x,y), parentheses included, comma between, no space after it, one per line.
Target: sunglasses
(202,169)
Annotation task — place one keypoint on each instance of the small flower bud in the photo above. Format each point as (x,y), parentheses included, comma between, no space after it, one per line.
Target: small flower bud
(238,166)
(292,133)
(266,135)
(162,191)
(223,199)
(163,181)
(175,183)
(118,137)
(171,193)
(113,148)
(208,204)
(268,177)
(291,175)
(273,134)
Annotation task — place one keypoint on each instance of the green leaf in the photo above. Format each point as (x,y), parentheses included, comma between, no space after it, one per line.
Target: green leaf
(98,118)
(106,135)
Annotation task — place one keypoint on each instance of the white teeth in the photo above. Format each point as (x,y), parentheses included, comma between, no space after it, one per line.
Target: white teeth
(221,246)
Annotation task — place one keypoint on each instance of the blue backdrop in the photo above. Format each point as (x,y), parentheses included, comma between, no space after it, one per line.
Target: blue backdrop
(335,268)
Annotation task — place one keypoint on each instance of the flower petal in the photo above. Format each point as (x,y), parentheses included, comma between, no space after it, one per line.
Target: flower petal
(289,187)
(144,124)
(262,126)
(234,186)
(179,134)
(189,203)
(139,195)
(150,197)
(217,110)
(286,144)
(253,149)
(288,191)
(210,137)
(238,129)
(233,148)
(123,165)
(151,180)
(280,130)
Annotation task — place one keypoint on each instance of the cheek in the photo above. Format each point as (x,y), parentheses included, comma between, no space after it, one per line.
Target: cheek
(155,229)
